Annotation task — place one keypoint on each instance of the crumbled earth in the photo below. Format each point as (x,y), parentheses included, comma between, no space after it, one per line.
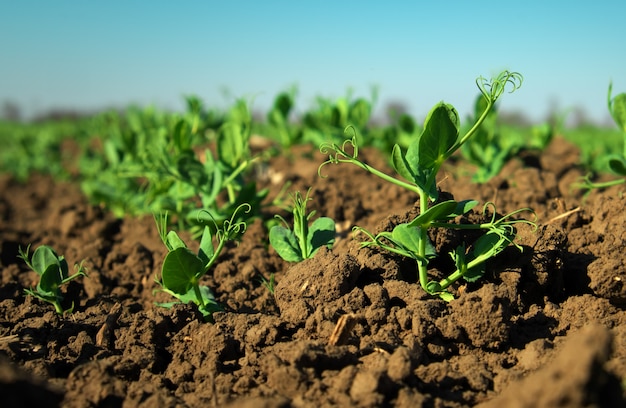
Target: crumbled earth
(350,327)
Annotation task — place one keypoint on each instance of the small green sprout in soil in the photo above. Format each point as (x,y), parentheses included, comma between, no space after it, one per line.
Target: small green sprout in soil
(183,269)
(418,167)
(269,284)
(617,162)
(304,240)
(53,273)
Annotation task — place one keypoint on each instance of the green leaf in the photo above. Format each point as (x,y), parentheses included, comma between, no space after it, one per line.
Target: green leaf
(50,280)
(441,130)
(360,112)
(439,211)
(408,166)
(618,111)
(408,236)
(408,239)
(321,232)
(191,170)
(400,164)
(406,123)
(463,207)
(173,241)
(207,295)
(617,165)
(180,269)
(283,103)
(205,292)
(44,257)
(460,261)
(182,135)
(232,143)
(285,243)
(206,251)
(216,180)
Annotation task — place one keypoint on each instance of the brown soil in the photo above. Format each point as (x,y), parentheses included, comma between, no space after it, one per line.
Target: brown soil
(543,328)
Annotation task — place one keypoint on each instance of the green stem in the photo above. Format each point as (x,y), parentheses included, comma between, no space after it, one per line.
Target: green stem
(386,177)
(302,233)
(458,274)
(196,290)
(216,253)
(445,282)
(487,225)
(231,193)
(58,307)
(605,184)
(422,266)
(472,130)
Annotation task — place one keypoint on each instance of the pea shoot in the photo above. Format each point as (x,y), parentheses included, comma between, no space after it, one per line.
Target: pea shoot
(304,240)
(183,269)
(53,273)
(418,167)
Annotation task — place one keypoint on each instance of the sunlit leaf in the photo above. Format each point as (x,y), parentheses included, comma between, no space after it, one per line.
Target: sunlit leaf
(441,130)
(285,243)
(179,271)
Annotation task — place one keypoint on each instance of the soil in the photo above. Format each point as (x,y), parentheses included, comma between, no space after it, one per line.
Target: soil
(544,327)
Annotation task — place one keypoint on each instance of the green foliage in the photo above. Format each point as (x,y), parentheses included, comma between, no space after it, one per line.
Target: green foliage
(279,122)
(53,274)
(489,151)
(418,167)
(183,269)
(616,162)
(493,144)
(164,163)
(304,240)
(329,118)
(38,147)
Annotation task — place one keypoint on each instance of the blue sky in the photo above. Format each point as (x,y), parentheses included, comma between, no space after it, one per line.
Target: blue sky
(88,55)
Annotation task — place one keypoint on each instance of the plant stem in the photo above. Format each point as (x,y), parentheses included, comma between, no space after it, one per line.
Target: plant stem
(58,307)
(605,184)
(472,130)
(196,290)
(386,177)
(422,265)
(216,253)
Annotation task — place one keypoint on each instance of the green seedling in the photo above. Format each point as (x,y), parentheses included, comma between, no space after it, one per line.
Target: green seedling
(418,167)
(269,284)
(617,162)
(53,273)
(183,269)
(304,240)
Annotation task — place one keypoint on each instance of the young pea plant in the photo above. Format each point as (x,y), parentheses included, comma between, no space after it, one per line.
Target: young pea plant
(617,163)
(418,168)
(183,269)
(53,273)
(304,240)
